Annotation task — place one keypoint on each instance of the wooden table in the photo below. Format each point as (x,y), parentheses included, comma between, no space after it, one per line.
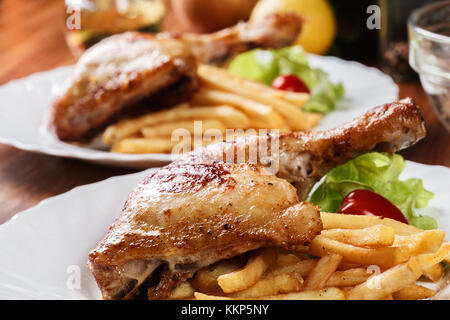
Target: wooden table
(32,40)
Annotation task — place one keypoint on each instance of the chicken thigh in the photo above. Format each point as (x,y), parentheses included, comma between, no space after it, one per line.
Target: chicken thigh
(123,72)
(188,216)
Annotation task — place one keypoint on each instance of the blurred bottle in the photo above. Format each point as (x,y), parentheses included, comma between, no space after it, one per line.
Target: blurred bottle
(89,21)
(354,41)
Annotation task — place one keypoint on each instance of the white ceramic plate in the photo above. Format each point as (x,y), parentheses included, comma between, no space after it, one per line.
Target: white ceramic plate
(45,248)
(24,106)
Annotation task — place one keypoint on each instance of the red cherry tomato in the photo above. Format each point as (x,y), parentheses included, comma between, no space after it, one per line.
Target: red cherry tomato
(289,82)
(368,203)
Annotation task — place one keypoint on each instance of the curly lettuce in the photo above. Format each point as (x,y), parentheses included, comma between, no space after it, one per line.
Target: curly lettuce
(378,172)
(266,65)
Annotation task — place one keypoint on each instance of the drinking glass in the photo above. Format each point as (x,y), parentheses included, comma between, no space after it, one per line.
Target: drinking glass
(429,54)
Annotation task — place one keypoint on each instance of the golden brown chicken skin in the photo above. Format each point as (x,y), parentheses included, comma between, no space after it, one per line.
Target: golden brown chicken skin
(191,215)
(119,73)
(304,157)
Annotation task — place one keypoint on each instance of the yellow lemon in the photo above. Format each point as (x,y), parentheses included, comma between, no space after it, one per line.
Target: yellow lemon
(319,26)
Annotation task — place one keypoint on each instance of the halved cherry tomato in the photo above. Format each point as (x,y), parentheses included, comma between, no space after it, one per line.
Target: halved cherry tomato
(289,82)
(368,203)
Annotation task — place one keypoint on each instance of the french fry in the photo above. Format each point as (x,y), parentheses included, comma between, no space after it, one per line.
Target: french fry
(206,279)
(374,237)
(413,292)
(302,267)
(196,143)
(264,115)
(379,286)
(202,296)
(229,116)
(347,289)
(166,129)
(427,260)
(424,242)
(223,80)
(434,273)
(144,145)
(350,277)
(348,265)
(300,250)
(323,270)
(384,257)
(347,221)
(447,259)
(182,291)
(250,274)
(322,294)
(297,98)
(268,286)
(286,259)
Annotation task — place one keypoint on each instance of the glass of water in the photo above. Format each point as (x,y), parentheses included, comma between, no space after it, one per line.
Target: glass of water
(429,54)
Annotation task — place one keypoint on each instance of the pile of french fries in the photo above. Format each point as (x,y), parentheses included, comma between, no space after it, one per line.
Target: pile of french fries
(224,101)
(355,258)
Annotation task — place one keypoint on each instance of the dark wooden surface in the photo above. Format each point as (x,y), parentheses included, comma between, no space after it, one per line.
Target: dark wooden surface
(32,40)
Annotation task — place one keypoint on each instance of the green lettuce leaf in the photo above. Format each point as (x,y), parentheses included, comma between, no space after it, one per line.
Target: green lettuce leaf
(378,172)
(266,65)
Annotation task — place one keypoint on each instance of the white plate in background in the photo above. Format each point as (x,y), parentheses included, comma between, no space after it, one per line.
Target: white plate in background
(24,106)
(42,248)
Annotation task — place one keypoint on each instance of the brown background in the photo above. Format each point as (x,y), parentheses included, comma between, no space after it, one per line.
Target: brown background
(32,40)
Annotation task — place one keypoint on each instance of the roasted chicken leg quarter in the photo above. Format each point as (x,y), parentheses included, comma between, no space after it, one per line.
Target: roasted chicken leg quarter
(208,207)
(187,216)
(132,72)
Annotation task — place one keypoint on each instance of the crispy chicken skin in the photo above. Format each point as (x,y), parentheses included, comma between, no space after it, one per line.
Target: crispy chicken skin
(116,74)
(140,71)
(201,209)
(191,215)
(305,157)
